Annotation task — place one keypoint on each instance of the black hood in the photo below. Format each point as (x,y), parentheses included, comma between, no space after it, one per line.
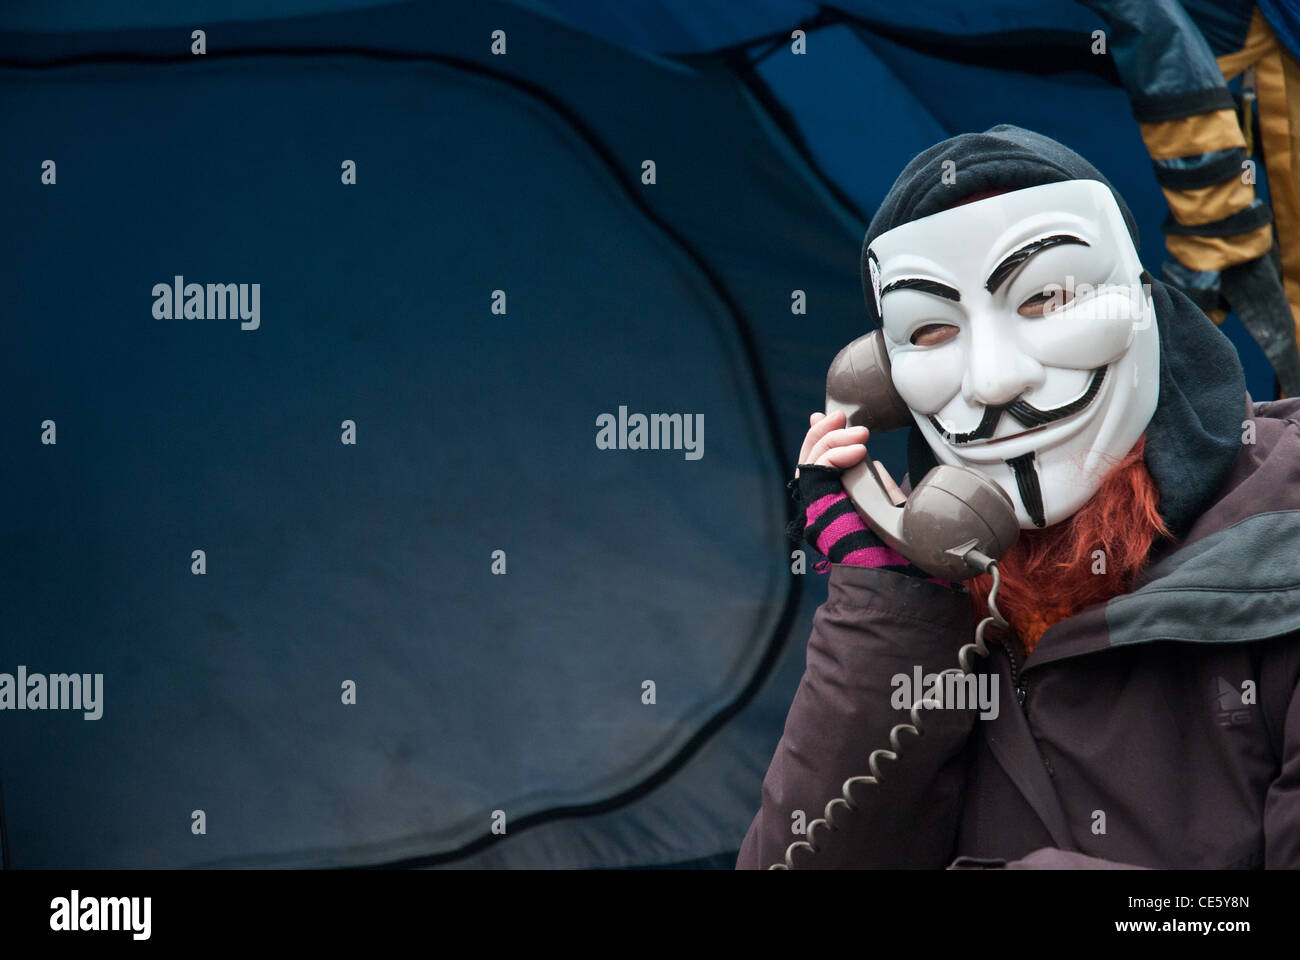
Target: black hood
(1195,434)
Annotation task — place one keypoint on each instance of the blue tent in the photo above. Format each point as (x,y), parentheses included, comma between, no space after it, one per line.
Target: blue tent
(560,655)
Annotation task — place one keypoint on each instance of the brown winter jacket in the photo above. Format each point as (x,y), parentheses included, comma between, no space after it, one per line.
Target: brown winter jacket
(1159,729)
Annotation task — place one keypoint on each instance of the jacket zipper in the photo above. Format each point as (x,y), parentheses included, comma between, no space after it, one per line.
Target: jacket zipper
(1022,689)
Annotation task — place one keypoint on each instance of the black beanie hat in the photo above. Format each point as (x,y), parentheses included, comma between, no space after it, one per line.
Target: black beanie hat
(1195,434)
(1002,158)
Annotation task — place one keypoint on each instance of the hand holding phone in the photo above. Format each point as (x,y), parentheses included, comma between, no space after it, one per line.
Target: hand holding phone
(955,520)
(829,444)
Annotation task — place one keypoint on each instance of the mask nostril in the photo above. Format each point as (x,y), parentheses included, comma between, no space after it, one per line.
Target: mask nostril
(997,379)
(993,392)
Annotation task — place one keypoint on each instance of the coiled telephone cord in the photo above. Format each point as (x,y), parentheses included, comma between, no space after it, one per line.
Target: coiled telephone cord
(964,655)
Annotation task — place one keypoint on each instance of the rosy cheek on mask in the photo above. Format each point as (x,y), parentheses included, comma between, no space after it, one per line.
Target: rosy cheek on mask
(1089,334)
(928,379)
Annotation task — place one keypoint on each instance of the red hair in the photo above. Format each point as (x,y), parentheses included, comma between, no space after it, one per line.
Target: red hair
(1053,573)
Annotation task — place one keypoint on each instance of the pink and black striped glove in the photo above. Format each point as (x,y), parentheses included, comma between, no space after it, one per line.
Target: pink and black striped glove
(829,522)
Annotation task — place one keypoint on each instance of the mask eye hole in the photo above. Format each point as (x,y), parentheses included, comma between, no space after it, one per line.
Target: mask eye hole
(1050,298)
(932,334)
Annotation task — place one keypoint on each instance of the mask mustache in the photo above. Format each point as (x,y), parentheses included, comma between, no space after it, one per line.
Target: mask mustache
(1024,413)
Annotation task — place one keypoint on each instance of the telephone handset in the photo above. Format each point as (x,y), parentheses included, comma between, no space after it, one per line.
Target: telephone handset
(952,513)
(955,524)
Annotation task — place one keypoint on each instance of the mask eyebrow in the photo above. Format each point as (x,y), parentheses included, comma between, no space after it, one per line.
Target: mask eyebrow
(933,287)
(1019,256)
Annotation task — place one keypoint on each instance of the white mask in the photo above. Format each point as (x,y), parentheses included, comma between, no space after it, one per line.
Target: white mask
(1090,363)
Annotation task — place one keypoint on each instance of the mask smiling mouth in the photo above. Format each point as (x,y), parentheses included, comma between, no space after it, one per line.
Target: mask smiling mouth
(1024,413)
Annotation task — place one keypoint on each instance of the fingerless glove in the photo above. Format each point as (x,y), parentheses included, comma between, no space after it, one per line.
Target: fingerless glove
(830,523)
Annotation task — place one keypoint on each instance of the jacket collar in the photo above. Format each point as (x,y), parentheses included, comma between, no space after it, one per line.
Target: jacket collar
(1234,577)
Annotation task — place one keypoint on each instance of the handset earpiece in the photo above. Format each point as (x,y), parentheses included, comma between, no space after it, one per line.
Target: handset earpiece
(860,384)
(952,513)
